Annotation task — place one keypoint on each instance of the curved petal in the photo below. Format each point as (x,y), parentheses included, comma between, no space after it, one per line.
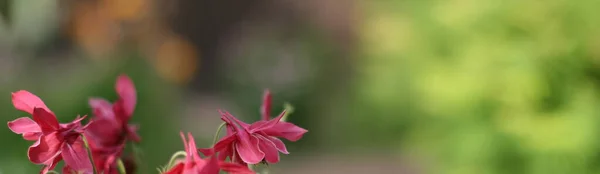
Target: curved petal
(233,168)
(50,166)
(45,149)
(225,142)
(76,157)
(47,121)
(248,149)
(262,125)
(227,152)
(207,151)
(32,136)
(185,144)
(235,157)
(23,125)
(68,170)
(103,132)
(271,152)
(127,94)
(231,120)
(286,130)
(26,101)
(102,109)
(278,144)
(265,108)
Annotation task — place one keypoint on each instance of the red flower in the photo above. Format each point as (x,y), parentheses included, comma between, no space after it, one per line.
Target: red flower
(251,143)
(54,141)
(110,129)
(193,164)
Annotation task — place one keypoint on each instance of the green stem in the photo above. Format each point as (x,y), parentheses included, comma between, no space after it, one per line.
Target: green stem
(251,167)
(89,151)
(174,157)
(121,166)
(217,133)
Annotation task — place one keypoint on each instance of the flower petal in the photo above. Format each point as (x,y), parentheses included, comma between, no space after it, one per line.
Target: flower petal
(192,150)
(225,142)
(231,120)
(233,168)
(185,142)
(47,121)
(207,151)
(109,162)
(127,94)
(248,149)
(262,125)
(23,125)
(271,152)
(278,144)
(227,152)
(32,136)
(45,149)
(265,109)
(210,166)
(68,170)
(286,130)
(26,101)
(76,157)
(102,108)
(132,133)
(103,132)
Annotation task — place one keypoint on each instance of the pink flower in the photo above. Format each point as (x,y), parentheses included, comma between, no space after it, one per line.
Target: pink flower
(54,141)
(110,128)
(253,143)
(280,129)
(193,164)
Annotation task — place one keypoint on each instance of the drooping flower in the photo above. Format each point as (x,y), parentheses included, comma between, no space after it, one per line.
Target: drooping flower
(110,129)
(54,141)
(194,164)
(252,143)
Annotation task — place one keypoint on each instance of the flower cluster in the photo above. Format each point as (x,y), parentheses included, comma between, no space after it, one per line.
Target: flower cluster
(98,146)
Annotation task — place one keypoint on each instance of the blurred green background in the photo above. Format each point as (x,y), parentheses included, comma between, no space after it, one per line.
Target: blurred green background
(387,86)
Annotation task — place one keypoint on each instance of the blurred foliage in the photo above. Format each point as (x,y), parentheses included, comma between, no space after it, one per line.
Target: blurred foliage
(481,86)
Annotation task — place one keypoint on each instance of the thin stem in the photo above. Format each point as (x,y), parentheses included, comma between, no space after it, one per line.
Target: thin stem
(174,157)
(217,133)
(52,172)
(266,169)
(121,166)
(89,151)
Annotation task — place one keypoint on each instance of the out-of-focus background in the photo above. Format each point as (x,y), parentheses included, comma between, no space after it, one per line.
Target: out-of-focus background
(389,86)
